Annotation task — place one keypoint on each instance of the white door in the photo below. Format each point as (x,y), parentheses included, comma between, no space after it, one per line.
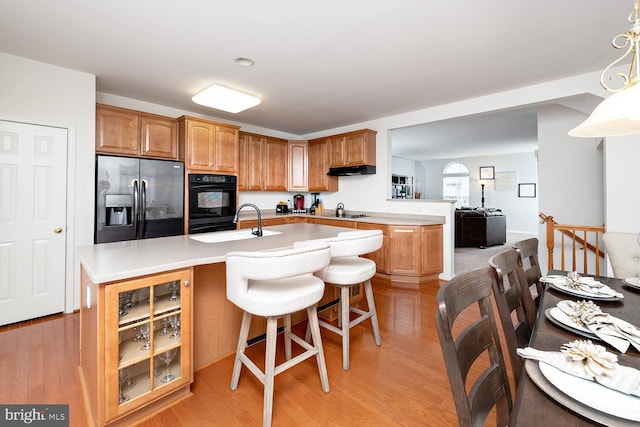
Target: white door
(33,164)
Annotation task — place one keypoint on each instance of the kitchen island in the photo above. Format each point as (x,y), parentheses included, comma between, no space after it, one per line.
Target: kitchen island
(167,278)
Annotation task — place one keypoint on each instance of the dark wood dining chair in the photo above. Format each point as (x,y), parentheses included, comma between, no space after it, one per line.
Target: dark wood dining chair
(528,258)
(468,350)
(511,292)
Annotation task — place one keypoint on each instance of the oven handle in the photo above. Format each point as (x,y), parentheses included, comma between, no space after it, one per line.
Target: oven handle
(211,186)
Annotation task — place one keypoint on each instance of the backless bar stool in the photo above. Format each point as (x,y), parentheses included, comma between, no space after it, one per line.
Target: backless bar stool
(348,269)
(274,284)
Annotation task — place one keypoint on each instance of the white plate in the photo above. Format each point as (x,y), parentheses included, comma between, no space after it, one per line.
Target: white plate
(592,394)
(560,318)
(634,282)
(583,294)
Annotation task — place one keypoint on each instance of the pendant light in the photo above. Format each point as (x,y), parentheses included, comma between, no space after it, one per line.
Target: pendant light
(619,114)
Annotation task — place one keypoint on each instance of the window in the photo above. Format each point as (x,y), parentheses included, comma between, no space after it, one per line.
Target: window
(455,184)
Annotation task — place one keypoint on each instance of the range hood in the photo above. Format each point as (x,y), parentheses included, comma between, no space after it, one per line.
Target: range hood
(352,170)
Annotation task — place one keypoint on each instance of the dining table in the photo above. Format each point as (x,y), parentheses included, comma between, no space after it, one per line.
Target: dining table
(538,402)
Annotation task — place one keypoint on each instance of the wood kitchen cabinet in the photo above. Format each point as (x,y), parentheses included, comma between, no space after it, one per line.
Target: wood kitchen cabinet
(380,256)
(331,221)
(251,164)
(275,163)
(353,148)
(319,152)
(250,223)
(298,166)
(415,250)
(136,345)
(208,146)
(404,251)
(134,133)
(263,165)
(431,257)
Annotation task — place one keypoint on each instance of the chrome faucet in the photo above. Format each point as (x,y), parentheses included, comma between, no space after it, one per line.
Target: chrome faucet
(258,232)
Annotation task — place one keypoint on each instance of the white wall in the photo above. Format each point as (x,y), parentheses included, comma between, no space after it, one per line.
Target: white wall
(38,93)
(571,173)
(622,197)
(521,212)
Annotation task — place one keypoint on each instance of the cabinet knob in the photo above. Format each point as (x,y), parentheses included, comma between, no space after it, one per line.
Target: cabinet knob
(186,283)
(135,149)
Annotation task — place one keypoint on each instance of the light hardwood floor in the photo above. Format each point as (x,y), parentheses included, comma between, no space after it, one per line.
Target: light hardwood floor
(401,383)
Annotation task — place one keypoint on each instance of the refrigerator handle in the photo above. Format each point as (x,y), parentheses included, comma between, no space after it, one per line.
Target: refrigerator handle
(143,208)
(136,210)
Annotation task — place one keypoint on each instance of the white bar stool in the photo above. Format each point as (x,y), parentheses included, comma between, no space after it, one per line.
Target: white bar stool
(274,284)
(348,269)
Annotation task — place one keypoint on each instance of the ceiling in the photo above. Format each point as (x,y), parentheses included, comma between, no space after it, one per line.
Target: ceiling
(321,64)
(507,132)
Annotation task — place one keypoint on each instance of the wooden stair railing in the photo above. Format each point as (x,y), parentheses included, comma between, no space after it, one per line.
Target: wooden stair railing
(577,242)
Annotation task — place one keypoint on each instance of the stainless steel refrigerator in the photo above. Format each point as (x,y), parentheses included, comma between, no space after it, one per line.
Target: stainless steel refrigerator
(138,198)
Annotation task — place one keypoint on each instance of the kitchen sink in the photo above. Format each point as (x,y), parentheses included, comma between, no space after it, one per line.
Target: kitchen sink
(226,236)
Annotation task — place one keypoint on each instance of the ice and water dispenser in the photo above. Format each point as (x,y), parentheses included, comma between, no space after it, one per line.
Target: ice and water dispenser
(118,209)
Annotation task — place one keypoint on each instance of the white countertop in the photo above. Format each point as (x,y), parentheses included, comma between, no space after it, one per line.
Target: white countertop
(108,262)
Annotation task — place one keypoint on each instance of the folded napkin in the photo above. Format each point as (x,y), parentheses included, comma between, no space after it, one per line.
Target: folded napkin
(616,332)
(589,361)
(573,281)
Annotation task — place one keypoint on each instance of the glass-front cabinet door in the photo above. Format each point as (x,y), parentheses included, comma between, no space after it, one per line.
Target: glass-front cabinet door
(148,332)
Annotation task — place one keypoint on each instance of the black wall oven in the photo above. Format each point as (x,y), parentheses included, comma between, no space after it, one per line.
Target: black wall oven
(212,202)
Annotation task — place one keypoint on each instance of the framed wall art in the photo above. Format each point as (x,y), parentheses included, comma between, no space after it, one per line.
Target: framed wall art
(487,172)
(506,181)
(527,190)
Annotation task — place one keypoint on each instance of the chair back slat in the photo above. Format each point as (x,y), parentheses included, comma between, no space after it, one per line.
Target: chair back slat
(466,351)
(515,305)
(528,259)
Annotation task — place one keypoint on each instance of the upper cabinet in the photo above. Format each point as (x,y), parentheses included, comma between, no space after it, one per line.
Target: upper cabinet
(275,163)
(208,146)
(133,133)
(251,165)
(318,153)
(263,163)
(353,148)
(298,166)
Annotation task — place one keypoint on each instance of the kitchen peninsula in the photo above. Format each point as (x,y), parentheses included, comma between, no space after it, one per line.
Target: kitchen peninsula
(412,248)
(132,294)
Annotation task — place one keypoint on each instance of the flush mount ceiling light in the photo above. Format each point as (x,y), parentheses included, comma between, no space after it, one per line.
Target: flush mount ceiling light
(225,99)
(618,114)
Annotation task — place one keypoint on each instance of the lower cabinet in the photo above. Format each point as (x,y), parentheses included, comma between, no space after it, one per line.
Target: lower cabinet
(404,251)
(415,251)
(250,223)
(380,256)
(431,257)
(332,222)
(136,345)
